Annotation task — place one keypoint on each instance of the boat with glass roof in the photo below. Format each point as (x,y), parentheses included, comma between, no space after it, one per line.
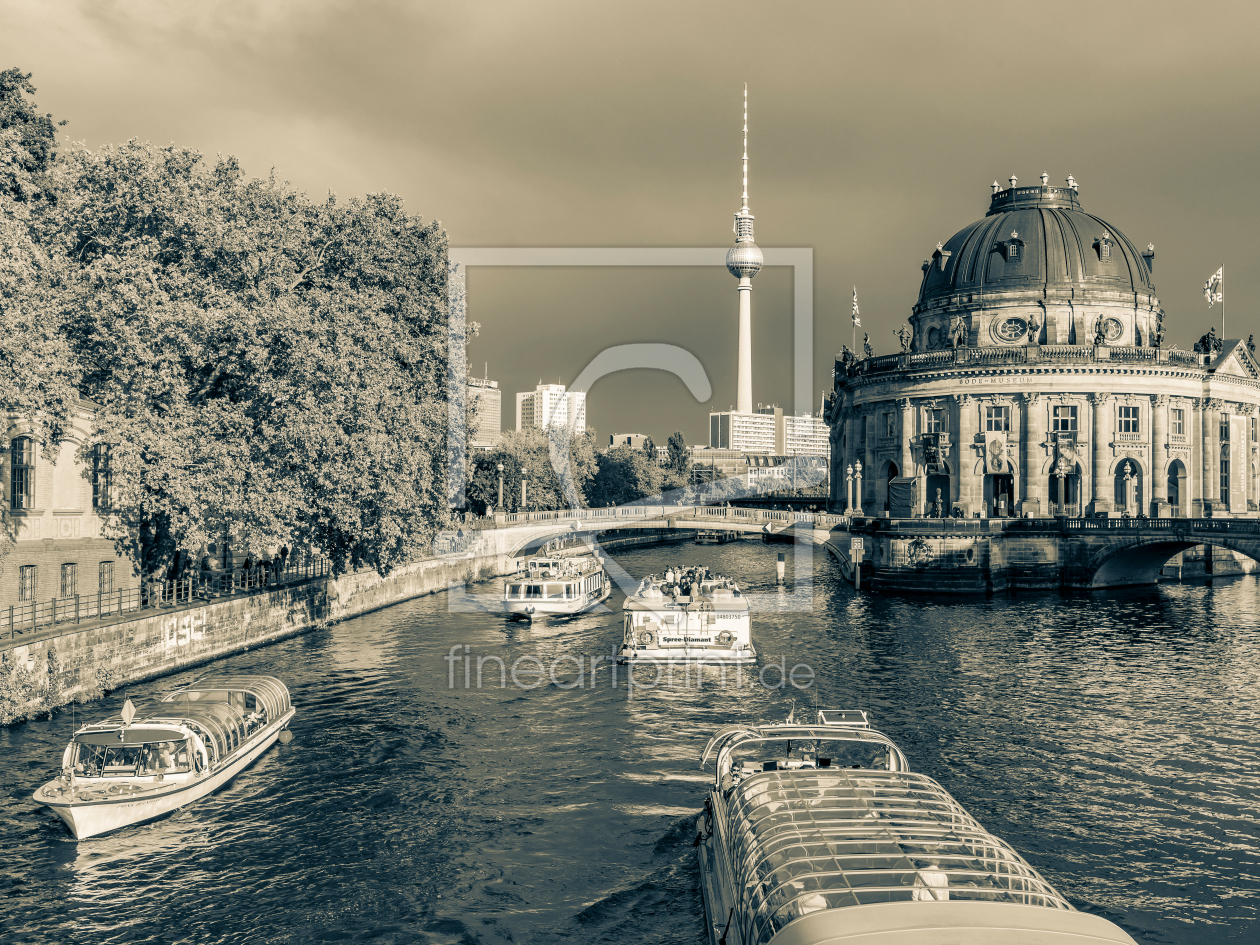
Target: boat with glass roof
(688,615)
(556,586)
(136,767)
(819,833)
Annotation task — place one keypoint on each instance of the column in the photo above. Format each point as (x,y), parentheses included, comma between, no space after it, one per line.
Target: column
(1159,454)
(905,464)
(1212,498)
(968,491)
(1100,482)
(868,499)
(838,446)
(1194,468)
(1034,492)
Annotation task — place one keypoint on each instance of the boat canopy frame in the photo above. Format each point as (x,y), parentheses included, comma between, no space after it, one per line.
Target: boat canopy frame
(725,740)
(808,840)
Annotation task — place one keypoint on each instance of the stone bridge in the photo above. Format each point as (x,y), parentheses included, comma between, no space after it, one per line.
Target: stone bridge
(932,556)
(936,555)
(511,534)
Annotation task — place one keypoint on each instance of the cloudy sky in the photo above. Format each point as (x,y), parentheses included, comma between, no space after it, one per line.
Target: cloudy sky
(875,131)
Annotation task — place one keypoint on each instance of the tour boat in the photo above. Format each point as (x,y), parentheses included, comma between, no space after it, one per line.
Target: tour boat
(128,769)
(820,833)
(715,537)
(556,587)
(689,615)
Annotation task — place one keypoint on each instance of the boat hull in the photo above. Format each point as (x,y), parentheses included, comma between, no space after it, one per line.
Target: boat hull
(92,818)
(554,608)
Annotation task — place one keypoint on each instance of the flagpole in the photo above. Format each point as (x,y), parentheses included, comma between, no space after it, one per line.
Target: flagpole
(1220,288)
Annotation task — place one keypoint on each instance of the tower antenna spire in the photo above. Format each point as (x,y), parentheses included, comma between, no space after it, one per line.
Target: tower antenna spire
(744,200)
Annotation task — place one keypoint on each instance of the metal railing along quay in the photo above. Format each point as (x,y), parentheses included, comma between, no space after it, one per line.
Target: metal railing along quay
(31,617)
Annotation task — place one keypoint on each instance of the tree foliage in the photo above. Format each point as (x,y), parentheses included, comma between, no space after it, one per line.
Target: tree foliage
(625,475)
(679,457)
(527,454)
(267,368)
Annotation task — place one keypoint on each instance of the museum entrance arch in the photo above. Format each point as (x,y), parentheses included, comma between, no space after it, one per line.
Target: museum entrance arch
(890,475)
(999,494)
(1065,491)
(1128,489)
(1177,488)
(938,482)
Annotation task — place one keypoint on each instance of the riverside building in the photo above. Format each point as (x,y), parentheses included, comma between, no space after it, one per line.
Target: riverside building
(1037,383)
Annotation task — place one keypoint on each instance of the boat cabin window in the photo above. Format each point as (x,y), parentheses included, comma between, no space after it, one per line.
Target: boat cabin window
(132,760)
(793,753)
(555,591)
(533,592)
(514,591)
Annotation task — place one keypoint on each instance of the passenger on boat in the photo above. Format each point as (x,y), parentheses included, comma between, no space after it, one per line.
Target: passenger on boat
(165,756)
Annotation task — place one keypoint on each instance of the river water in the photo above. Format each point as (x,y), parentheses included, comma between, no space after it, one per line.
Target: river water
(1111,739)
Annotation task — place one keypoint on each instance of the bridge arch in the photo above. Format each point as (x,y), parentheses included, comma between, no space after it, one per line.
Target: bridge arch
(1140,560)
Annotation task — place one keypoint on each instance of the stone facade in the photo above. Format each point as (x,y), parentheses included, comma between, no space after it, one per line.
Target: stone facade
(1037,384)
(59,535)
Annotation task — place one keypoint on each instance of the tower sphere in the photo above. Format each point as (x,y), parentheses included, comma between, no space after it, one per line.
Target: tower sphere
(744,259)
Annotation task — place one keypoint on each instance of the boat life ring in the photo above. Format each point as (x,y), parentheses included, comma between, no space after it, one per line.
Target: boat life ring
(645,636)
(724,637)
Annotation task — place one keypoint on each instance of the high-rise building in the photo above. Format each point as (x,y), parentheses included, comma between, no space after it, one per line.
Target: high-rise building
(485,410)
(744,261)
(551,403)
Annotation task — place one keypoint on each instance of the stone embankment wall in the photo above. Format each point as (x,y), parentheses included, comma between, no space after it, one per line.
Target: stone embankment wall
(80,664)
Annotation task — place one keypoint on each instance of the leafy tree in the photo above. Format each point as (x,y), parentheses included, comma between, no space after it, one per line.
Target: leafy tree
(679,457)
(267,368)
(28,140)
(649,448)
(625,475)
(528,452)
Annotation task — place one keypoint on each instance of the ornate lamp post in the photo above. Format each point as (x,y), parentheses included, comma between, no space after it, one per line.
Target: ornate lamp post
(857,488)
(524,492)
(1129,488)
(848,488)
(500,507)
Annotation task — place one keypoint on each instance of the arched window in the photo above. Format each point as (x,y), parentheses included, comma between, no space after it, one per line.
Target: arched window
(102,477)
(22,473)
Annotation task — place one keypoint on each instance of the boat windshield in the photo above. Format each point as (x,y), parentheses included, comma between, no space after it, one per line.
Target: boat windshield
(811,839)
(790,753)
(94,758)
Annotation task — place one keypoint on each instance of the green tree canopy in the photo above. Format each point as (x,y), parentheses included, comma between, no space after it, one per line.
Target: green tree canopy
(679,457)
(267,368)
(625,475)
(528,453)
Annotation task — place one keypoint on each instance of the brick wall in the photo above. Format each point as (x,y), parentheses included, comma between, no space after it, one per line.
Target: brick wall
(48,555)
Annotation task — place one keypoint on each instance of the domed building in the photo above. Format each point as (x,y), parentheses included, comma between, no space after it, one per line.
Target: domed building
(1035,380)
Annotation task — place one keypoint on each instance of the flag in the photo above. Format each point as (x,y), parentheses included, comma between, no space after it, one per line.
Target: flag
(1212,288)
(856,319)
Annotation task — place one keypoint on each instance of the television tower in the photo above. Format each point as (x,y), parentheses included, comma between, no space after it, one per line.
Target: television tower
(744,261)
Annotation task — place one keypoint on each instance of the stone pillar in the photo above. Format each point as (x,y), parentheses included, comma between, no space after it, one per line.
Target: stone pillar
(1101,487)
(839,446)
(869,470)
(1034,493)
(1212,454)
(1194,468)
(1159,456)
(905,464)
(969,489)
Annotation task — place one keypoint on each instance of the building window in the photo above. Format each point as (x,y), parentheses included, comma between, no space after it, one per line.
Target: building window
(1178,422)
(1129,420)
(69,580)
(936,421)
(1224,428)
(1253,429)
(1012,250)
(22,479)
(105,578)
(1224,476)
(997,419)
(1064,419)
(28,578)
(102,477)
(890,425)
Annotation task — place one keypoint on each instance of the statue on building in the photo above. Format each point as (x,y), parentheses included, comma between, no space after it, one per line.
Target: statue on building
(1251,343)
(867,350)
(905,336)
(846,356)
(958,333)
(1157,338)
(1100,333)
(1034,330)
(1209,343)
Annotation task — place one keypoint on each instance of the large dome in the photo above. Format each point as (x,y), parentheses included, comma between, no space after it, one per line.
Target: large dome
(1037,247)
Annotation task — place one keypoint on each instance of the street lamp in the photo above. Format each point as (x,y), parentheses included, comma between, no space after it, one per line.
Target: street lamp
(848,487)
(857,488)
(500,508)
(524,493)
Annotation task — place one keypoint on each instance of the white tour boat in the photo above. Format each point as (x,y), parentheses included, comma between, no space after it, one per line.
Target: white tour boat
(689,615)
(129,769)
(819,833)
(556,587)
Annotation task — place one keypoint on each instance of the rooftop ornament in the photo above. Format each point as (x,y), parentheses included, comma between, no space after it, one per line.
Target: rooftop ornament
(1071,182)
(1045,178)
(1014,181)
(996,187)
